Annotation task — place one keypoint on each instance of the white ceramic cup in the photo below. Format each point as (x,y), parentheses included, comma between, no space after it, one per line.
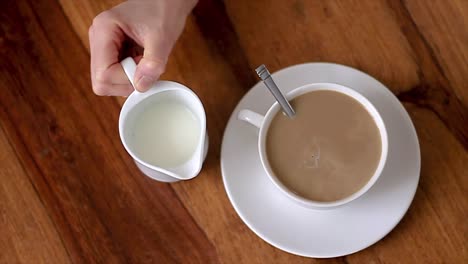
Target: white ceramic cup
(263,123)
(160,91)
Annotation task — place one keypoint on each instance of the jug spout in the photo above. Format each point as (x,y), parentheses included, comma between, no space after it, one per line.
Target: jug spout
(155,174)
(186,171)
(192,167)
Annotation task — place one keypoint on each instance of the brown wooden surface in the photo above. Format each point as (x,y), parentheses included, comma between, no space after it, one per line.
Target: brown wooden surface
(69,193)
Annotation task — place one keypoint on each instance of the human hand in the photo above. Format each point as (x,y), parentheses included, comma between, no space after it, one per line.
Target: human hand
(154,25)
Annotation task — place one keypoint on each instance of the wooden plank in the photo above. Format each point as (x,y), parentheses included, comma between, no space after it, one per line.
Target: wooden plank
(433,90)
(27,233)
(361,34)
(80,15)
(104,209)
(443,25)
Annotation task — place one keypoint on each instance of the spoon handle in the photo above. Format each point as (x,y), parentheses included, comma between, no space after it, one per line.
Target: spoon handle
(264,74)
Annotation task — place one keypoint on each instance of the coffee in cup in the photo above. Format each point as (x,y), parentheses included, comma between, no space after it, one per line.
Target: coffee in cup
(328,151)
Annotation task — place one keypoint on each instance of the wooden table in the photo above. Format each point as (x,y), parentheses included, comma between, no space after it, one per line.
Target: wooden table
(70,193)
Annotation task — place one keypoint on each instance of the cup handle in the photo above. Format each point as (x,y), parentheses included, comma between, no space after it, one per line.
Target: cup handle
(129,66)
(251,117)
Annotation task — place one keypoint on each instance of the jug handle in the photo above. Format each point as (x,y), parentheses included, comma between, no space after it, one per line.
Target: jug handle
(129,66)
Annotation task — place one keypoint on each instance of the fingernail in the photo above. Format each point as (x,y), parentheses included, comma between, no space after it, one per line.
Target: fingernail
(144,83)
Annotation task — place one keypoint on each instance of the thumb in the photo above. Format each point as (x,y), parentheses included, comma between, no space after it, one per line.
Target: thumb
(152,65)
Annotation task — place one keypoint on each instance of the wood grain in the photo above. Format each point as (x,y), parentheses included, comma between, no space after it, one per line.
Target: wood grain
(89,204)
(28,234)
(361,34)
(433,90)
(439,23)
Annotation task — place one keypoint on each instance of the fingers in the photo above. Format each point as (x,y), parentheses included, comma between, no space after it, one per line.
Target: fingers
(153,63)
(104,89)
(106,38)
(108,89)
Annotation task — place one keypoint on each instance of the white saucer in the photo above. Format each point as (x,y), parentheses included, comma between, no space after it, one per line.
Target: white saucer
(314,233)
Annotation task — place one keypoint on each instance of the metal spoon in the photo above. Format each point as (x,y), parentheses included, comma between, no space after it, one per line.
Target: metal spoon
(264,74)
